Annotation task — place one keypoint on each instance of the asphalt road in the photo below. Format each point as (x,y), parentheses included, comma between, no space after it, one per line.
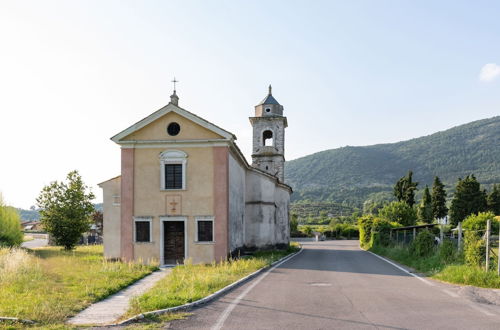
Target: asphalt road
(335,285)
(35,243)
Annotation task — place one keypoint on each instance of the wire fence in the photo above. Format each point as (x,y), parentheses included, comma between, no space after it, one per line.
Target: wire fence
(491,240)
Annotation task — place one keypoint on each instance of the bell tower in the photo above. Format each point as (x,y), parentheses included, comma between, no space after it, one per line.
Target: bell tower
(268,153)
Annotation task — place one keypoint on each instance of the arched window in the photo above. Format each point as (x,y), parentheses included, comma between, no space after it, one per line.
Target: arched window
(267,138)
(173,170)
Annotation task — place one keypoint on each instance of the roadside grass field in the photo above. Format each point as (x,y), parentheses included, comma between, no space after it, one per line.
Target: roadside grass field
(454,271)
(188,282)
(48,285)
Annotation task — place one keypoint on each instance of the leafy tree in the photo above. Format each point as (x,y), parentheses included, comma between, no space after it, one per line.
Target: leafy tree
(404,190)
(399,212)
(10,226)
(66,209)
(439,209)
(371,206)
(477,222)
(468,199)
(425,207)
(494,200)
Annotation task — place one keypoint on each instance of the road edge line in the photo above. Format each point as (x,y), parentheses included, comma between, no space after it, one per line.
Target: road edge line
(402,269)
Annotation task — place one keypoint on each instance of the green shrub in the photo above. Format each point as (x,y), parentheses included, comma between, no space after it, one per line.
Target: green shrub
(474,248)
(10,226)
(423,244)
(307,230)
(365,227)
(342,230)
(399,212)
(478,222)
(380,232)
(447,251)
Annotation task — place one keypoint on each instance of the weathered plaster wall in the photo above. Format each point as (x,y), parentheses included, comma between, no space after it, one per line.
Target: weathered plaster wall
(221,201)
(237,178)
(111,218)
(266,222)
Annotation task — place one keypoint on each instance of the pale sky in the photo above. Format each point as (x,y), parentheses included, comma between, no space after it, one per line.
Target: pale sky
(74,73)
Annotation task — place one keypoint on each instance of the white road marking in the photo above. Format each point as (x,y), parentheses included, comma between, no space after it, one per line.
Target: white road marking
(225,314)
(452,294)
(402,269)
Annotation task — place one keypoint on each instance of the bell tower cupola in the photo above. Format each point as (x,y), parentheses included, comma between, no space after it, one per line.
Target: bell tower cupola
(268,152)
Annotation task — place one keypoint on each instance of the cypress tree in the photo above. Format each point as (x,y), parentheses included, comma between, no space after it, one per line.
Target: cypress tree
(468,199)
(439,209)
(494,200)
(425,207)
(404,190)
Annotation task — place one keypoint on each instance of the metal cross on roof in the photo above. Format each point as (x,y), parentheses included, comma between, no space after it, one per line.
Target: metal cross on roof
(175,81)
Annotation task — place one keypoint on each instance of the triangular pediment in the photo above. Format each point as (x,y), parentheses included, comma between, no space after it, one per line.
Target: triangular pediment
(154,127)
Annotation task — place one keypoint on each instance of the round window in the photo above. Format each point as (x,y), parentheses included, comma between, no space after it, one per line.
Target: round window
(268,110)
(173,129)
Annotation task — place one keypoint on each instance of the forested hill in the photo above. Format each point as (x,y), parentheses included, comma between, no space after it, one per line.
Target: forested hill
(354,174)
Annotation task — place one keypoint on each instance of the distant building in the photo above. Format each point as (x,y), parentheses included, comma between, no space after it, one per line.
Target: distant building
(187,191)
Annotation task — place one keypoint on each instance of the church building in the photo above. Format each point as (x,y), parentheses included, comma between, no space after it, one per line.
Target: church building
(187,191)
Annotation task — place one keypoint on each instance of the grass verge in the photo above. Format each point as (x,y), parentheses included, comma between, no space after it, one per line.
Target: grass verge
(188,282)
(452,270)
(48,284)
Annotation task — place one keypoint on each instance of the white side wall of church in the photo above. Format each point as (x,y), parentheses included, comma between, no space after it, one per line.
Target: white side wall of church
(236,204)
(266,211)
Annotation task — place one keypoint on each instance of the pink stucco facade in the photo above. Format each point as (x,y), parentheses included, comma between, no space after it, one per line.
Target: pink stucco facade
(127,204)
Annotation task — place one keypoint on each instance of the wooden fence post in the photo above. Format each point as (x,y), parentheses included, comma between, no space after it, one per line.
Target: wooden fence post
(459,235)
(488,229)
(414,233)
(404,236)
(498,261)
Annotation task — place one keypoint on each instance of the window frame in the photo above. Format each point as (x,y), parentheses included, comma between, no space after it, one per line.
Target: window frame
(143,219)
(116,200)
(172,157)
(263,141)
(205,218)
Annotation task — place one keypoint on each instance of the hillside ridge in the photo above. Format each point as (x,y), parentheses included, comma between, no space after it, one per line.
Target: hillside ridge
(356,173)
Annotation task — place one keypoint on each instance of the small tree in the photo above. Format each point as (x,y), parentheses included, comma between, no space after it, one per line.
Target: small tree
(494,200)
(439,209)
(10,226)
(425,207)
(365,224)
(423,244)
(399,212)
(404,190)
(468,199)
(66,209)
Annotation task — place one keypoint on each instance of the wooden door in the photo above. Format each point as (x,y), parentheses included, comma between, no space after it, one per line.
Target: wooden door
(173,241)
